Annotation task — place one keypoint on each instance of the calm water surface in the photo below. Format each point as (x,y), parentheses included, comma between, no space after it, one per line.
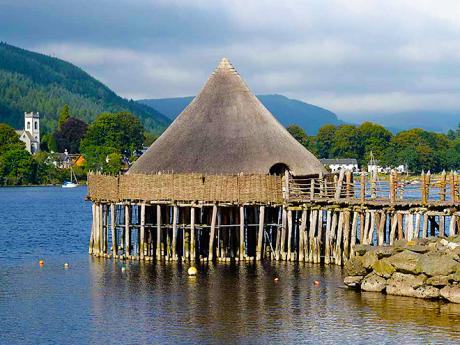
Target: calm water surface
(94,302)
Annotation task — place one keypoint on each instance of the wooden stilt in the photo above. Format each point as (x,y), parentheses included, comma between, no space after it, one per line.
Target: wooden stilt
(425,225)
(192,234)
(442,226)
(302,227)
(417,221)
(242,249)
(362,228)
(366,227)
(260,233)
(338,244)
(400,226)
(289,224)
(113,230)
(354,230)
(159,254)
(452,225)
(410,227)
(283,235)
(319,238)
(346,236)
(93,227)
(327,251)
(142,233)
(101,229)
(381,231)
(394,224)
(127,234)
(174,232)
(311,233)
(212,233)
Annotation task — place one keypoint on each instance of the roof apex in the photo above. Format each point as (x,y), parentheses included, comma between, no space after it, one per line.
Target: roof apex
(225,66)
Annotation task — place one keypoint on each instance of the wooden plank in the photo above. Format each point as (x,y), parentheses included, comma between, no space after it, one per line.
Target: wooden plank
(289,224)
(113,230)
(192,234)
(174,232)
(159,254)
(302,235)
(242,250)
(142,233)
(346,236)
(311,234)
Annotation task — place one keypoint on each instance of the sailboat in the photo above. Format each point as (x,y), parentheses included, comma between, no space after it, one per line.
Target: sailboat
(73,181)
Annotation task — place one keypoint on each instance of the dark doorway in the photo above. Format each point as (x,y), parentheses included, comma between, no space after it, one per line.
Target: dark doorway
(278,169)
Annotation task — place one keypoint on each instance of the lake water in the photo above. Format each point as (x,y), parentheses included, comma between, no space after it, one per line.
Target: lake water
(95,302)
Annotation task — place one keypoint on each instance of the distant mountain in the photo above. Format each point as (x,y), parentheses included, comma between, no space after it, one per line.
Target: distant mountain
(35,82)
(437,121)
(287,111)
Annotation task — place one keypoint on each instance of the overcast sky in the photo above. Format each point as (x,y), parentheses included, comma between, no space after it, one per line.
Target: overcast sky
(353,57)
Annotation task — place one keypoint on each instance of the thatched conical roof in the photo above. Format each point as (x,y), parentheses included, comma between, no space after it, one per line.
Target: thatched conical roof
(226,130)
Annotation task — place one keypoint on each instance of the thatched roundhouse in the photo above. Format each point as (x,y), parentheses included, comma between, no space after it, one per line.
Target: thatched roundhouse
(226,130)
(216,183)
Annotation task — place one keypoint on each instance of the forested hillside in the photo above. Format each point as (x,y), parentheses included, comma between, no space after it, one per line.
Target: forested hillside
(34,82)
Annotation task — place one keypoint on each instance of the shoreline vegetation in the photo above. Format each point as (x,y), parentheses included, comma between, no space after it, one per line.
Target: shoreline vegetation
(113,141)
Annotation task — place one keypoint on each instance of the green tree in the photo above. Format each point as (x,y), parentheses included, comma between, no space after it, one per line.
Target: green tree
(122,131)
(299,134)
(114,163)
(325,141)
(347,142)
(64,115)
(375,138)
(9,139)
(17,167)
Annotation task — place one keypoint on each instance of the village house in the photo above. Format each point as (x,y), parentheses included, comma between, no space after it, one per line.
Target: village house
(30,135)
(337,164)
(376,167)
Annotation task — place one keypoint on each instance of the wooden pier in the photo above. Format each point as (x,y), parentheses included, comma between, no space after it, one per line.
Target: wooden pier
(264,217)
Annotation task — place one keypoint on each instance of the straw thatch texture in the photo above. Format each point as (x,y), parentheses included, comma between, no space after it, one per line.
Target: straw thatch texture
(226,130)
(237,189)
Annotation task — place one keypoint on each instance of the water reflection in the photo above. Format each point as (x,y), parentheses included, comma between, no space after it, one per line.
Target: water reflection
(243,303)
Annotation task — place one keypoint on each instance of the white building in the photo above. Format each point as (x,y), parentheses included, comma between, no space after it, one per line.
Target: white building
(337,164)
(30,135)
(376,167)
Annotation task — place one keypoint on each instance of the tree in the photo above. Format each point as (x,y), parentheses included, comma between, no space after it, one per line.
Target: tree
(299,134)
(375,138)
(64,115)
(347,142)
(70,134)
(121,131)
(325,141)
(17,167)
(9,139)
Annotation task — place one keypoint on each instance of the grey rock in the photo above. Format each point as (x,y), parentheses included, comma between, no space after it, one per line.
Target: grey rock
(402,284)
(384,251)
(369,259)
(353,281)
(354,267)
(426,291)
(437,265)
(451,293)
(406,262)
(383,268)
(438,281)
(373,282)
(362,249)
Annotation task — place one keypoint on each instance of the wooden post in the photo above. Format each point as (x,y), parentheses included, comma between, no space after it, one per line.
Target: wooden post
(283,234)
(452,225)
(338,244)
(363,186)
(302,235)
(346,236)
(348,182)
(321,184)
(333,234)
(354,225)
(212,232)
(425,225)
(394,224)
(93,226)
(417,225)
(318,238)
(174,232)
(159,254)
(327,250)
(192,234)
(289,224)
(338,188)
(381,234)
(142,233)
(442,226)
(392,186)
(312,188)
(260,233)
(370,234)
(242,251)
(362,228)
(410,227)
(127,232)
(374,183)
(400,226)
(442,186)
(113,230)
(101,230)
(311,234)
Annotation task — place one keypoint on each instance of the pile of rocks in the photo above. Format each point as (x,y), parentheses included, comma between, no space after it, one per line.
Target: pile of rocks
(424,268)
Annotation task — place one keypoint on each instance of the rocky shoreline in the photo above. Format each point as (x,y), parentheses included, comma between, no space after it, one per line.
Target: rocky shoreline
(423,268)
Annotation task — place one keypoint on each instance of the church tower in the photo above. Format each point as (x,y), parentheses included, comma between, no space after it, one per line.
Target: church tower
(32,127)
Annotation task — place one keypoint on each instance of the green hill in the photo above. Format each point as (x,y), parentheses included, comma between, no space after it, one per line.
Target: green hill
(35,82)
(288,111)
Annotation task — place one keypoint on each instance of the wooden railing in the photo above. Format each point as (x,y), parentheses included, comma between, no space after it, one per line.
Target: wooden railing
(394,188)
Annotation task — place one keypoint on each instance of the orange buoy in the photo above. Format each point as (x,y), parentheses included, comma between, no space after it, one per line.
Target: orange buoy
(41,262)
(276,279)
(316,282)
